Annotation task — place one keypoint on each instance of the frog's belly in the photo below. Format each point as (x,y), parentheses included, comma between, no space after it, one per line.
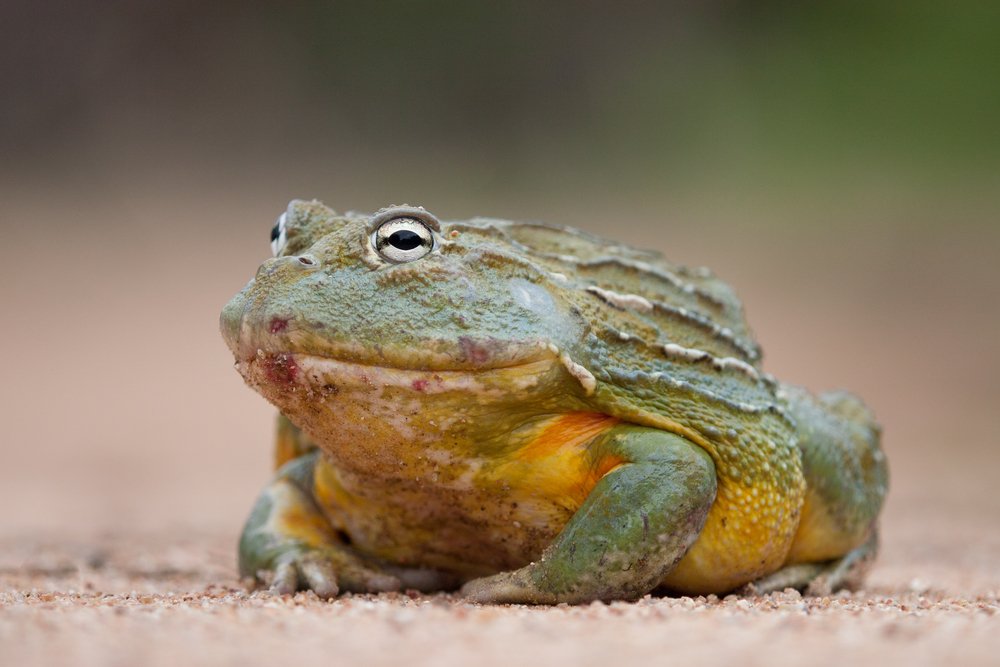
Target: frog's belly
(499,514)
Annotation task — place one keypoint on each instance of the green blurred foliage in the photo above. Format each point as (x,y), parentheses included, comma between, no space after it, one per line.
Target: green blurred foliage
(645,96)
(902,84)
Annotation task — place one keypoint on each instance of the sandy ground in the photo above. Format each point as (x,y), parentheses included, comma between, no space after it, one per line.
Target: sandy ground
(131,452)
(172,599)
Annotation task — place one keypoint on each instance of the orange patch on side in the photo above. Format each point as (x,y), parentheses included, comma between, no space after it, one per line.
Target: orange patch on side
(567,432)
(559,461)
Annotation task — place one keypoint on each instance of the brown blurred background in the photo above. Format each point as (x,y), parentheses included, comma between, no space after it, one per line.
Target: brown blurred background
(838,162)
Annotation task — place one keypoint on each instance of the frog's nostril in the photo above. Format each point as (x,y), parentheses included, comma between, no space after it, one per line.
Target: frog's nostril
(264,267)
(307,260)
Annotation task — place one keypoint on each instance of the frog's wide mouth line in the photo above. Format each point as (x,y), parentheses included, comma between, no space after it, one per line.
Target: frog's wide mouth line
(288,369)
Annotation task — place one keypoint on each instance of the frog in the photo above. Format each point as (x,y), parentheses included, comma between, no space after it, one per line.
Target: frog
(517,412)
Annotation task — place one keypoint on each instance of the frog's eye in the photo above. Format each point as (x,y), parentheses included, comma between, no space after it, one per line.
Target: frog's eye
(403,240)
(278,236)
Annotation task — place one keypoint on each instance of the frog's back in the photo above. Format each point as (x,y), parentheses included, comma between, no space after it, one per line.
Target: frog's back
(693,304)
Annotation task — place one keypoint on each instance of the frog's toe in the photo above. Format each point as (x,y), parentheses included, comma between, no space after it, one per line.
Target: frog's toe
(480,591)
(319,576)
(358,578)
(303,572)
(488,590)
(286,578)
(506,588)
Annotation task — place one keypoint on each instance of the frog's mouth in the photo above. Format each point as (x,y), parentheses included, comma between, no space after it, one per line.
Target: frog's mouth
(282,373)
(279,341)
(278,352)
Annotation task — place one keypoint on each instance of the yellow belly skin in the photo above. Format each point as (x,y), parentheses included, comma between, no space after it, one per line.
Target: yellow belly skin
(501,517)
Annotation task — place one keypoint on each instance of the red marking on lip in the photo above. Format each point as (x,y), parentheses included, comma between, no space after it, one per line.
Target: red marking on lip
(420,385)
(281,370)
(476,351)
(279,324)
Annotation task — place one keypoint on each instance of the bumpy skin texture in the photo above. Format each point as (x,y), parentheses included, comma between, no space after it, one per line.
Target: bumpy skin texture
(539,413)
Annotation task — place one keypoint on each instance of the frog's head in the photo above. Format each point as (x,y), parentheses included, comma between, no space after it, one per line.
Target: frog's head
(397,290)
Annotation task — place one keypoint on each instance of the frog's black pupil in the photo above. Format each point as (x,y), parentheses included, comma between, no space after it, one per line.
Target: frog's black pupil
(404,239)
(275,233)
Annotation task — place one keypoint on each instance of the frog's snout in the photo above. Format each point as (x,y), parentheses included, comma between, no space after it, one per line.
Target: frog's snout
(300,262)
(253,297)
(230,320)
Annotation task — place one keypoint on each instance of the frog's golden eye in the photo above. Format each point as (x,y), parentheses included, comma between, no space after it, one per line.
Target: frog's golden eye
(403,240)
(278,235)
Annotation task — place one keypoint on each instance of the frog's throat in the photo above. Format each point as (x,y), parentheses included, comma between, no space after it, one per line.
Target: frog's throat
(289,372)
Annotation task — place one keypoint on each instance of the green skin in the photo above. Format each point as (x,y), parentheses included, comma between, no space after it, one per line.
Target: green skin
(429,391)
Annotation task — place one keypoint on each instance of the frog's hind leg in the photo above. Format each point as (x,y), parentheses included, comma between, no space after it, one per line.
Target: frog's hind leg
(820,579)
(845,472)
(846,481)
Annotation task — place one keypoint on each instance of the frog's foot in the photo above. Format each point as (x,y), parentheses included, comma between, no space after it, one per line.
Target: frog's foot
(820,579)
(289,545)
(326,571)
(636,524)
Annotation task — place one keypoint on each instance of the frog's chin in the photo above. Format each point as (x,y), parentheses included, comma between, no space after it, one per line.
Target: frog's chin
(281,373)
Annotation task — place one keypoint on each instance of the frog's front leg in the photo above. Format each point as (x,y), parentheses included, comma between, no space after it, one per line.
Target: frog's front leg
(289,541)
(637,523)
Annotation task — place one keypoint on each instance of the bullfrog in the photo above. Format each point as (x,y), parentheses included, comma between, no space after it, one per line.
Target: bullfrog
(528,413)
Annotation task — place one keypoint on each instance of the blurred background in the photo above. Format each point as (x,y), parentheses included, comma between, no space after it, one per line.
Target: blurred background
(838,162)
